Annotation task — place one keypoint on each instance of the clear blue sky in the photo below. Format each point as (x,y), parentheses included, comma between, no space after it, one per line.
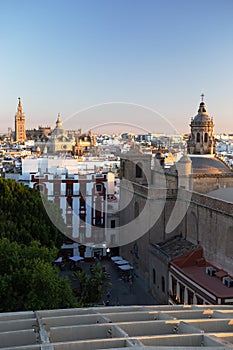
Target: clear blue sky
(65,55)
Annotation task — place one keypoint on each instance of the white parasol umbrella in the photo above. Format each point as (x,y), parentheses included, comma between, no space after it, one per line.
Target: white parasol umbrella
(76,258)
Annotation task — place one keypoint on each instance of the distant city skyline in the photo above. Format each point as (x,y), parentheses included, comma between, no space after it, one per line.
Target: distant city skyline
(66,56)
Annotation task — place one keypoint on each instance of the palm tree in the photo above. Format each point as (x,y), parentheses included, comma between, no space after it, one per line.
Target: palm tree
(91,286)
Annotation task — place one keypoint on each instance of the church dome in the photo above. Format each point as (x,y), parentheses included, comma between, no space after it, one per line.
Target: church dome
(208,165)
(201,139)
(202,116)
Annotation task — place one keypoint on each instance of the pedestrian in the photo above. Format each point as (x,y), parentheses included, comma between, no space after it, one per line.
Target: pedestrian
(130,284)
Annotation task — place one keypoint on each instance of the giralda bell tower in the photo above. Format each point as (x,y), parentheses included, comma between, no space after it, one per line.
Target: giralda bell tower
(20,129)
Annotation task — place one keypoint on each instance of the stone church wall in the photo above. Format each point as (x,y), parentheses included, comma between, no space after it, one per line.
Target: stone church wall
(208,183)
(210,224)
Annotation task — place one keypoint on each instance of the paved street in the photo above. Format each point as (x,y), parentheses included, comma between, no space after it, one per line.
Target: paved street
(121,292)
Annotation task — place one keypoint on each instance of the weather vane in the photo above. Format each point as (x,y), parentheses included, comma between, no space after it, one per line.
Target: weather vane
(202,97)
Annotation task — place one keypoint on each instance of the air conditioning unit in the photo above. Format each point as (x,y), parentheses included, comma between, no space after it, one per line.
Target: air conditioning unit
(227,281)
(210,270)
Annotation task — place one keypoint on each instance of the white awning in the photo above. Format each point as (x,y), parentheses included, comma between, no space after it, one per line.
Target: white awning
(76,258)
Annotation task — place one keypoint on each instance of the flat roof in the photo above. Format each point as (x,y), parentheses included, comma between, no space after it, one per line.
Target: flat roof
(120,327)
(176,246)
(225,194)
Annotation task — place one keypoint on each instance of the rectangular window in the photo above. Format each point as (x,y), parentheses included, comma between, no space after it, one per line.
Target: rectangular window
(199,300)
(98,218)
(69,220)
(69,202)
(113,223)
(154,276)
(82,204)
(163,284)
(98,187)
(174,287)
(190,297)
(82,189)
(82,219)
(57,189)
(182,293)
(69,189)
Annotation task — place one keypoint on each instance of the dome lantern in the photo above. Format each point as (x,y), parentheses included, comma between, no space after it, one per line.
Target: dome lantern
(201,140)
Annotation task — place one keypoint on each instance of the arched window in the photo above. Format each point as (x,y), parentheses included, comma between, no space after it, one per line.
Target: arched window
(138,170)
(41,187)
(206,137)
(136,209)
(198,137)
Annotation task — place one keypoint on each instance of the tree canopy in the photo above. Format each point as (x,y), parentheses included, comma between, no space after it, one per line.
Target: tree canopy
(29,243)
(23,216)
(28,281)
(91,286)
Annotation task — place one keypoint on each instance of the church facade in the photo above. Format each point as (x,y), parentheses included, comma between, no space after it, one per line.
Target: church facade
(61,141)
(184,218)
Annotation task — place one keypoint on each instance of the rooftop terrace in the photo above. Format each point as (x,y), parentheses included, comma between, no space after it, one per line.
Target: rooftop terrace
(136,327)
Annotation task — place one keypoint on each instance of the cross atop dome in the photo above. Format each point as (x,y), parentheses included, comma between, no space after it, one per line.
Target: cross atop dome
(202,97)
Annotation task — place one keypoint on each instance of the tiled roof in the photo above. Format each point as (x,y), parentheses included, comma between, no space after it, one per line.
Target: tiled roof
(189,266)
(176,246)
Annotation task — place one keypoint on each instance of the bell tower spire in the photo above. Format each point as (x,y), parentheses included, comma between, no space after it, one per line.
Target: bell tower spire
(20,129)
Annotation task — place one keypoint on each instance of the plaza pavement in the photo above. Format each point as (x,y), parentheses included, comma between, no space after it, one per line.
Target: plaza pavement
(121,292)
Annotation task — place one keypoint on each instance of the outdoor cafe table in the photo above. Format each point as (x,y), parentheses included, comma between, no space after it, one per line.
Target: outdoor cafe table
(125,267)
(116,258)
(121,262)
